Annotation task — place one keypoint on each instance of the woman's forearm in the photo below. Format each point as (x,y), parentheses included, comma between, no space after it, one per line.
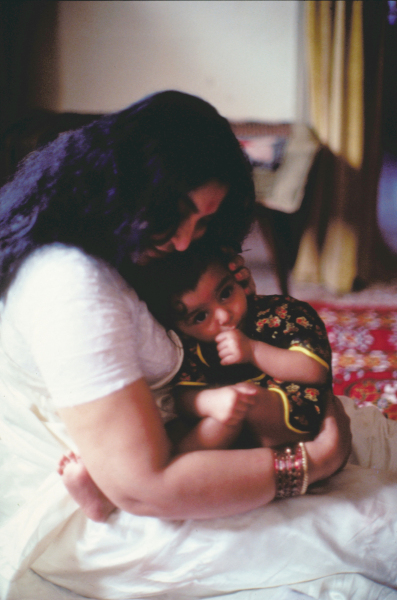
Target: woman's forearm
(208,434)
(207,484)
(220,483)
(124,446)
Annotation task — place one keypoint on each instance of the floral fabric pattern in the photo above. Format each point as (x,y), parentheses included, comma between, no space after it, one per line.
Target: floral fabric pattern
(280,321)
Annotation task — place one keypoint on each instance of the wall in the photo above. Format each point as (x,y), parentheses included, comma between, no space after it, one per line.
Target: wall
(239,55)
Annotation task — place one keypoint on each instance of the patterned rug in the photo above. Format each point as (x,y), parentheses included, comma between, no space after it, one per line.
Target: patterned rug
(364,346)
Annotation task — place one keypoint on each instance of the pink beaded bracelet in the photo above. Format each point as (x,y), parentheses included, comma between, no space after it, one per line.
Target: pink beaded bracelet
(291,469)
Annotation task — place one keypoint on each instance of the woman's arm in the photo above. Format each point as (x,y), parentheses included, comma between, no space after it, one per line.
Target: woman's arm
(126,450)
(330,450)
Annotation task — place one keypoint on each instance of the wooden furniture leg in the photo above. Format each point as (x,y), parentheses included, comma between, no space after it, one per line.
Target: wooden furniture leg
(266,222)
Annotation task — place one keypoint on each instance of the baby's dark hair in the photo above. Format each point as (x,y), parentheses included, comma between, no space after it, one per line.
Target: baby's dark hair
(162,282)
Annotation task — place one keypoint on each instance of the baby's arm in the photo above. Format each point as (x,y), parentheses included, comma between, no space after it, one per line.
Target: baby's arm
(285,365)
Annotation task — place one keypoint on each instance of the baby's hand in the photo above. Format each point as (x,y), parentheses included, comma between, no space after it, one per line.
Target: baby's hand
(233,347)
(230,404)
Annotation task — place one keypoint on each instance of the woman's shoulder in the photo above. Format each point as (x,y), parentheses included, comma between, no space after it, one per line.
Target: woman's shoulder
(61,278)
(57,268)
(58,260)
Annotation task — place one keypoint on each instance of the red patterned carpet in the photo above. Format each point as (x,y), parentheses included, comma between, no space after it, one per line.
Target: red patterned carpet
(364,346)
(362,327)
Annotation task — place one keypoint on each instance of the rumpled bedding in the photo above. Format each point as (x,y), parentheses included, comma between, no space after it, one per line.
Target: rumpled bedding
(339,541)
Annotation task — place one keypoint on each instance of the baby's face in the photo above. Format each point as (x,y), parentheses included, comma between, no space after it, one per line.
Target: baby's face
(218,303)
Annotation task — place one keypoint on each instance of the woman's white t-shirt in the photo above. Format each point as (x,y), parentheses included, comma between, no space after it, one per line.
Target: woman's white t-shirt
(74,331)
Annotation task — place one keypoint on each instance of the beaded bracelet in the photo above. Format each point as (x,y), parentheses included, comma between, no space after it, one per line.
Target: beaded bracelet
(292,473)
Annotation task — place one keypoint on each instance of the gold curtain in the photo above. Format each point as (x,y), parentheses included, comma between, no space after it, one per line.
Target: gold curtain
(337,246)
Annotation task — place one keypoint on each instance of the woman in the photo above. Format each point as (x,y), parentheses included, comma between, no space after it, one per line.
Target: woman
(81,356)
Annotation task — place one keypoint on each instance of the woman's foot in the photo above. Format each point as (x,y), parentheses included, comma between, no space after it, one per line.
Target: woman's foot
(82,488)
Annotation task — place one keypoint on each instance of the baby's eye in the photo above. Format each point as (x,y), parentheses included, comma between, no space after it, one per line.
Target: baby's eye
(226,292)
(200,317)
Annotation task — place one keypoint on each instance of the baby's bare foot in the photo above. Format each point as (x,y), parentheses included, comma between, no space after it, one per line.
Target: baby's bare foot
(83,489)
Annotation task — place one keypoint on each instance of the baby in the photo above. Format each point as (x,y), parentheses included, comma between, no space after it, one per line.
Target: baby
(260,361)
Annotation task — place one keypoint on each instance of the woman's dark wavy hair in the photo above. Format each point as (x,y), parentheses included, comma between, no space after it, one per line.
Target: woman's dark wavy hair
(108,187)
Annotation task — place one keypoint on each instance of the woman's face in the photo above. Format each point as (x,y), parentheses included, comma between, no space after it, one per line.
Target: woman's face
(197,211)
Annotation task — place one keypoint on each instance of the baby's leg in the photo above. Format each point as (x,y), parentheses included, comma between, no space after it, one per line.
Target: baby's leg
(267,421)
(221,412)
(83,489)
(209,434)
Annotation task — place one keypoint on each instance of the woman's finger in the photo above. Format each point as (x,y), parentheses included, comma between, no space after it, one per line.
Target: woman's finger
(248,285)
(241,274)
(244,278)
(236,262)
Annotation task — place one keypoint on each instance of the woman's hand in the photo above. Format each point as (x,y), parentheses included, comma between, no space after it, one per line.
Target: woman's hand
(329,451)
(242,274)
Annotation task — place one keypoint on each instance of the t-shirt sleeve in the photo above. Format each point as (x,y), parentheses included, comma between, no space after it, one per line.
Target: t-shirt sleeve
(80,327)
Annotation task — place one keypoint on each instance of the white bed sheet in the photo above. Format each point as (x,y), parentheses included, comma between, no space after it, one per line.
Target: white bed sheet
(357,495)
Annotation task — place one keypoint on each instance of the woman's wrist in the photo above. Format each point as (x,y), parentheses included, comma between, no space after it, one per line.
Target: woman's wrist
(323,460)
(330,449)
(299,466)
(291,468)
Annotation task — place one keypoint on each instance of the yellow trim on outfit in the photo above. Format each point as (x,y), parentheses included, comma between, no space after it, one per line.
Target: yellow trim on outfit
(256,379)
(200,355)
(311,354)
(253,380)
(286,409)
(191,383)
